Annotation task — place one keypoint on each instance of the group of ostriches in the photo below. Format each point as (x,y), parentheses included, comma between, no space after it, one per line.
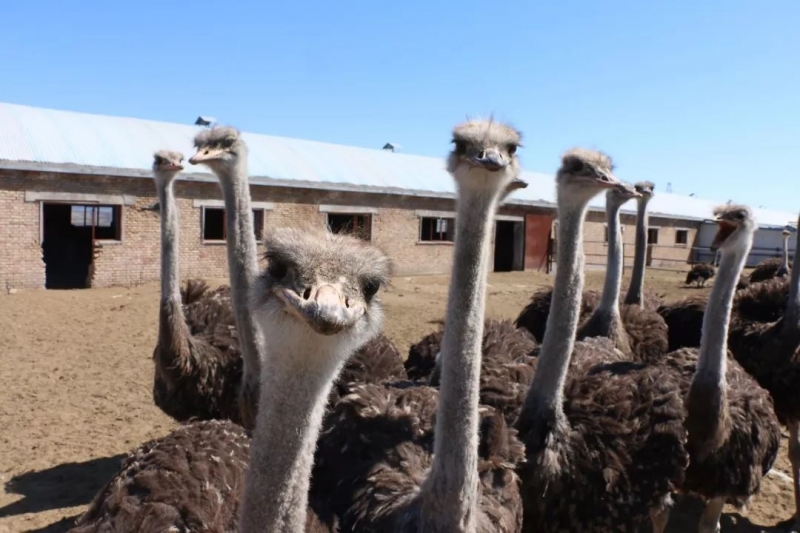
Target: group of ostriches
(584,415)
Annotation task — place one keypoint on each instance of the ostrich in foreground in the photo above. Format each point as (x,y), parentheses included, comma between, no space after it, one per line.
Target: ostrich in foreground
(774,267)
(637,332)
(225,153)
(318,301)
(197,373)
(733,434)
(771,353)
(406,476)
(699,274)
(605,441)
(636,294)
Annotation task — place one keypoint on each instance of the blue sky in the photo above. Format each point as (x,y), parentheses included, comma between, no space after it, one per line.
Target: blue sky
(702,95)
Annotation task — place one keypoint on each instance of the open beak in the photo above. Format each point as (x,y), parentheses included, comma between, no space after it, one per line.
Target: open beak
(724,230)
(325,309)
(627,190)
(204,154)
(490,160)
(607,180)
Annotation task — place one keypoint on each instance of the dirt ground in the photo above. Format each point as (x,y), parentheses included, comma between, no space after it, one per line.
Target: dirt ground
(76,377)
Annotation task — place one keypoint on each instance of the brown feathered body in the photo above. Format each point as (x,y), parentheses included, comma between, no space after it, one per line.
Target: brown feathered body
(190,480)
(733,440)
(533,316)
(767,269)
(772,356)
(639,333)
(762,302)
(375,452)
(700,273)
(684,320)
(618,452)
(198,363)
(507,365)
(378,361)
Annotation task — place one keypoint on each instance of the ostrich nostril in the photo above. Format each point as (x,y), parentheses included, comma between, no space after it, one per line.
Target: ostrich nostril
(347,303)
(307,293)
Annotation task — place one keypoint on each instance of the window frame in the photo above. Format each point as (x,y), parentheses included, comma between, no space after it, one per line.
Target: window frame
(116,215)
(435,219)
(224,239)
(685,233)
(369,217)
(650,240)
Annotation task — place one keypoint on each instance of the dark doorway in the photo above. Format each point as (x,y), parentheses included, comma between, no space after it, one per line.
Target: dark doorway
(358,225)
(509,251)
(68,233)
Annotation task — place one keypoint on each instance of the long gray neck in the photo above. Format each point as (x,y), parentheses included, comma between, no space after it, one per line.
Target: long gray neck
(791,319)
(293,395)
(170,269)
(635,289)
(609,301)
(451,492)
(242,264)
(785,258)
(712,359)
(544,397)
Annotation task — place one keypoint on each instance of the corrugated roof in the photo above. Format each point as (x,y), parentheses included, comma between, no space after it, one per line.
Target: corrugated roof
(81,142)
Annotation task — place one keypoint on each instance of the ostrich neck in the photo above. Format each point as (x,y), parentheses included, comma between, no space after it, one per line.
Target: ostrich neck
(544,397)
(791,318)
(713,346)
(170,269)
(242,263)
(450,495)
(785,257)
(293,394)
(609,301)
(635,289)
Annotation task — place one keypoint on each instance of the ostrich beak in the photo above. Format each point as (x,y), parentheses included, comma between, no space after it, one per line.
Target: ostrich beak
(490,159)
(173,166)
(204,155)
(323,307)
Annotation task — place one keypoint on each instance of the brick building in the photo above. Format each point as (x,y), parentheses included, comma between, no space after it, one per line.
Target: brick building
(78,204)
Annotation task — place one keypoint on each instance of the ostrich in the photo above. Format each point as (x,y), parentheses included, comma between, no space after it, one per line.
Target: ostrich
(636,294)
(198,367)
(733,434)
(774,267)
(771,353)
(637,332)
(318,301)
(380,461)
(604,444)
(699,274)
(225,153)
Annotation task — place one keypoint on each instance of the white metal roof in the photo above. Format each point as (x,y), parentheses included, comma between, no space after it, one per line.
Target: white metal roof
(66,141)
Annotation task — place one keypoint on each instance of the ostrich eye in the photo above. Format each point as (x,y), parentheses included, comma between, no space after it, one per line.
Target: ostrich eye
(159,160)
(461,147)
(574,165)
(512,149)
(227,143)
(277,269)
(370,287)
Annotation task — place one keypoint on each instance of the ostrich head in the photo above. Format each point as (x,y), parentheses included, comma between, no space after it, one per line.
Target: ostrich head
(320,286)
(622,193)
(736,226)
(219,148)
(484,157)
(645,189)
(166,165)
(786,233)
(583,174)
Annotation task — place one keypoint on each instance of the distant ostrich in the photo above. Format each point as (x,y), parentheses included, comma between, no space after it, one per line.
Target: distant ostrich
(771,353)
(605,441)
(699,274)
(774,267)
(636,331)
(383,467)
(318,302)
(198,367)
(636,294)
(733,434)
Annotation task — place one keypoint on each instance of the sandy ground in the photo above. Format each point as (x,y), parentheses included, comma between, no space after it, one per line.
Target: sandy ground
(75,392)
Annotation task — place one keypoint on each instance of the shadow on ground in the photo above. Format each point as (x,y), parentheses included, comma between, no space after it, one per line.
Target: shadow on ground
(686,515)
(65,485)
(62,526)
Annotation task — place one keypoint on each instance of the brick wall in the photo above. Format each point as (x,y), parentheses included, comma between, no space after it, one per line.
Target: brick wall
(135,258)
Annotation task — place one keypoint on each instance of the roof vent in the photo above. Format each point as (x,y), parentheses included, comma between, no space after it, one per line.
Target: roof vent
(205,121)
(392,147)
